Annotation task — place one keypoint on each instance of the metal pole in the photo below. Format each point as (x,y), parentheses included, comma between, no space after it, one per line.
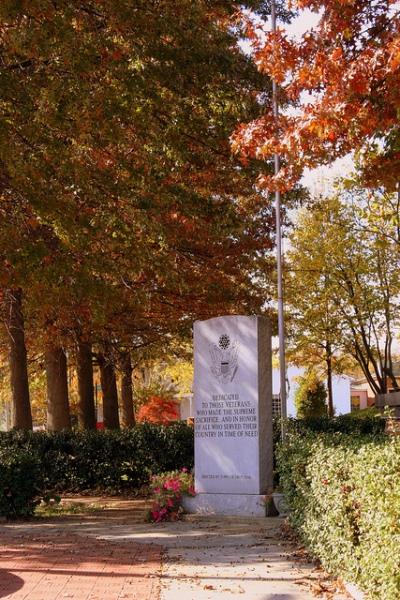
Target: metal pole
(281,323)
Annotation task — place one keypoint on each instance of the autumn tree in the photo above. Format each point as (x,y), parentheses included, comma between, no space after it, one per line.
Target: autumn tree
(344,77)
(14,322)
(127,408)
(346,282)
(58,415)
(313,323)
(84,368)
(158,410)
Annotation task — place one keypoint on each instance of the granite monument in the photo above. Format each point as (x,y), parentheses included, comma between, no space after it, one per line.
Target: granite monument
(233,415)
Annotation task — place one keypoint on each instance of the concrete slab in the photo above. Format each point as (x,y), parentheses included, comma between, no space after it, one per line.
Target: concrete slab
(228,558)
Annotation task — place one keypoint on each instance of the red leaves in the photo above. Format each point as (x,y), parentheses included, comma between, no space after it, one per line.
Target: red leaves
(350,64)
(337,53)
(394,55)
(158,410)
(276,56)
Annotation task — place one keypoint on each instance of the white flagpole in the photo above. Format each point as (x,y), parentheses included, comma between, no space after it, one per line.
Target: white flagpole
(281,323)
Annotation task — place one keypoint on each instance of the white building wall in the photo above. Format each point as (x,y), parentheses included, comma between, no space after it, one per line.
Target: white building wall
(340,385)
(5,417)
(341,394)
(186,407)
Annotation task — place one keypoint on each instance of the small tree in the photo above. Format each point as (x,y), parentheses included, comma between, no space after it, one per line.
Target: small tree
(310,398)
(159,411)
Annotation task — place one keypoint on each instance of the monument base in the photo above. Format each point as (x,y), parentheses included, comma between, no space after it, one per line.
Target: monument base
(238,505)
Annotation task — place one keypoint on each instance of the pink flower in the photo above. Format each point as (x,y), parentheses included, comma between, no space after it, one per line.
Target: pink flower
(172,484)
(167,494)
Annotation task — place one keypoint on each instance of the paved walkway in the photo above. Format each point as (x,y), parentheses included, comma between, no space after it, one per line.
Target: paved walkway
(239,558)
(45,566)
(115,556)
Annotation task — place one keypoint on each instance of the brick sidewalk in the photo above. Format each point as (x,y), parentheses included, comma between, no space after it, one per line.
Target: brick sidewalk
(56,566)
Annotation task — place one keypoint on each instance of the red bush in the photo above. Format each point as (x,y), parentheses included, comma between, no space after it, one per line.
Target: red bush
(159,411)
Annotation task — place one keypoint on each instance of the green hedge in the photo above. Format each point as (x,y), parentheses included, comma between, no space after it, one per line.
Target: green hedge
(111,461)
(343,492)
(357,423)
(19,477)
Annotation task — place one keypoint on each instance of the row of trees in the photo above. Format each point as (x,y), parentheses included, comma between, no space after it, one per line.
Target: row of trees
(124,216)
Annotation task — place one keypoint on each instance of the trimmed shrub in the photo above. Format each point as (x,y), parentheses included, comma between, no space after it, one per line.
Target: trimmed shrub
(310,397)
(19,480)
(364,425)
(344,496)
(111,461)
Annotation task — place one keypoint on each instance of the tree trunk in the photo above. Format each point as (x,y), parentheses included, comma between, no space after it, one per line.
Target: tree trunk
(58,416)
(329,379)
(84,368)
(127,412)
(109,392)
(21,407)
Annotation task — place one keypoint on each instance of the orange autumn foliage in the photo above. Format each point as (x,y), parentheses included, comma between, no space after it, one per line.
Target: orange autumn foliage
(343,78)
(159,411)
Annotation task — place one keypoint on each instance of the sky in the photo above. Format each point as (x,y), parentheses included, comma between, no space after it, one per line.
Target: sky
(318,180)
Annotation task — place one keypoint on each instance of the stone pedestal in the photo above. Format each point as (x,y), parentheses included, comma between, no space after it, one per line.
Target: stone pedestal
(238,505)
(233,415)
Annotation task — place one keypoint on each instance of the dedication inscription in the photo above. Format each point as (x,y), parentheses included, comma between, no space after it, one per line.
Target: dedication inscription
(233,405)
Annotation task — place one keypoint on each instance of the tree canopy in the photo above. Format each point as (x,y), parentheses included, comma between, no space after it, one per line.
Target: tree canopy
(124,214)
(344,282)
(343,77)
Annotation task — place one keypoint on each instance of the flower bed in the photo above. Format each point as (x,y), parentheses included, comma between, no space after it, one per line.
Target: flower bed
(167,491)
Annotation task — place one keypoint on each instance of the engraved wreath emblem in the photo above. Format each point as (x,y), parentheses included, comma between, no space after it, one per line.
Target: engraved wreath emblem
(224,359)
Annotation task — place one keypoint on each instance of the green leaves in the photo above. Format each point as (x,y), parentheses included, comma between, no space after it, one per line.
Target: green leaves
(115,138)
(95,460)
(310,397)
(343,284)
(19,483)
(344,496)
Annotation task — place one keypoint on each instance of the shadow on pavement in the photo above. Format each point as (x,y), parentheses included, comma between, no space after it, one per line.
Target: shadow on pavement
(9,583)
